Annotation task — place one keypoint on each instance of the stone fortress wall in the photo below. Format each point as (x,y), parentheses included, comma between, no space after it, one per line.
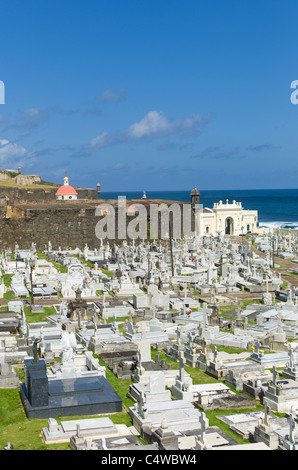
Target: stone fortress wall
(65,224)
(37,195)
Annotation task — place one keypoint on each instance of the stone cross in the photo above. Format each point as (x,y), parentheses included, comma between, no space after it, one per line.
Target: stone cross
(257,344)
(24,327)
(103,444)
(153,313)
(292,423)
(78,427)
(275,375)
(79,319)
(181,366)
(267,410)
(178,335)
(114,322)
(35,356)
(205,317)
(95,328)
(214,350)
(204,425)
(291,355)
(143,330)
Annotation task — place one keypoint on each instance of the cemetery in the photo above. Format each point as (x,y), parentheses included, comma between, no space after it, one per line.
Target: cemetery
(176,345)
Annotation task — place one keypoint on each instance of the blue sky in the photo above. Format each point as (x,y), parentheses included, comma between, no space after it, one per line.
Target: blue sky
(150,94)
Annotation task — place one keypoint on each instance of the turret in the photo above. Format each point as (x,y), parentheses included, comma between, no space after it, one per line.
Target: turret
(195,197)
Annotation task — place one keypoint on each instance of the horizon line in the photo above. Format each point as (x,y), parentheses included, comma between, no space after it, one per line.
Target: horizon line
(185,190)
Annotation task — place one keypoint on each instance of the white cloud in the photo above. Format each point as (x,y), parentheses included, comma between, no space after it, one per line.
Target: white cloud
(101,140)
(153,124)
(12,153)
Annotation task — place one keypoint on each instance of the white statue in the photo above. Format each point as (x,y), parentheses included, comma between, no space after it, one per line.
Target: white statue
(68,345)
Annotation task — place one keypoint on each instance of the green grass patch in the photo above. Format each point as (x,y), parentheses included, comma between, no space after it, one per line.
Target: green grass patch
(32,317)
(16,428)
(9,296)
(292,274)
(121,386)
(227,309)
(107,273)
(24,433)
(246,302)
(214,421)
(162,354)
(7,279)
(229,350)
(59,267)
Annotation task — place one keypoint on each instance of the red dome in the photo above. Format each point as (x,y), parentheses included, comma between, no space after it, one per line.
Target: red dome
(66,189)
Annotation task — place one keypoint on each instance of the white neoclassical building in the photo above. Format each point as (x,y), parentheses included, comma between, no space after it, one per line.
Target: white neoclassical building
(228,219)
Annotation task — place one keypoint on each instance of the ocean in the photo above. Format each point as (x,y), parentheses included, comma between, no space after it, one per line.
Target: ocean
(276,207)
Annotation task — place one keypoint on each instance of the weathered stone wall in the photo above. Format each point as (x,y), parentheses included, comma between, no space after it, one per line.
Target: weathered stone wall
(66,225)
(16,195)
(27,179)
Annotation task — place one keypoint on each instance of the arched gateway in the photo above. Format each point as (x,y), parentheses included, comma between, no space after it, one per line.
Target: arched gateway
(229,226)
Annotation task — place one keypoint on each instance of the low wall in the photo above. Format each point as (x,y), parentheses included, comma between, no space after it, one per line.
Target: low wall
(65,225)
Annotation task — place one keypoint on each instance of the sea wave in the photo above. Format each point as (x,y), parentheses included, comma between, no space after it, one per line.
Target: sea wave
(288,225)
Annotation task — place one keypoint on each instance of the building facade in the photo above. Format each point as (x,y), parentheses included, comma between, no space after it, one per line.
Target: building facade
(228,218)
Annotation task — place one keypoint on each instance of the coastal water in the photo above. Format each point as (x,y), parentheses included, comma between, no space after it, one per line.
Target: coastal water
(276,207)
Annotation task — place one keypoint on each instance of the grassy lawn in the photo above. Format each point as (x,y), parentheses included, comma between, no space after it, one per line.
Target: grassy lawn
(214,421)
(292,274)
(59,267)
(120,385)
(122,324)
(9,296)
(106,272)
(245,303)
(227,309)
(118,319)
(24,433)
(199,376)
(38,317)
(162,354)
(16,428)
(7,279)
(13,184)
(229,350)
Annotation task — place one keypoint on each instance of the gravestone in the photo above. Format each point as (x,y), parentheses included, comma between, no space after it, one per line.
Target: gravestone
(44,397)
(8,376)
(165,438)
